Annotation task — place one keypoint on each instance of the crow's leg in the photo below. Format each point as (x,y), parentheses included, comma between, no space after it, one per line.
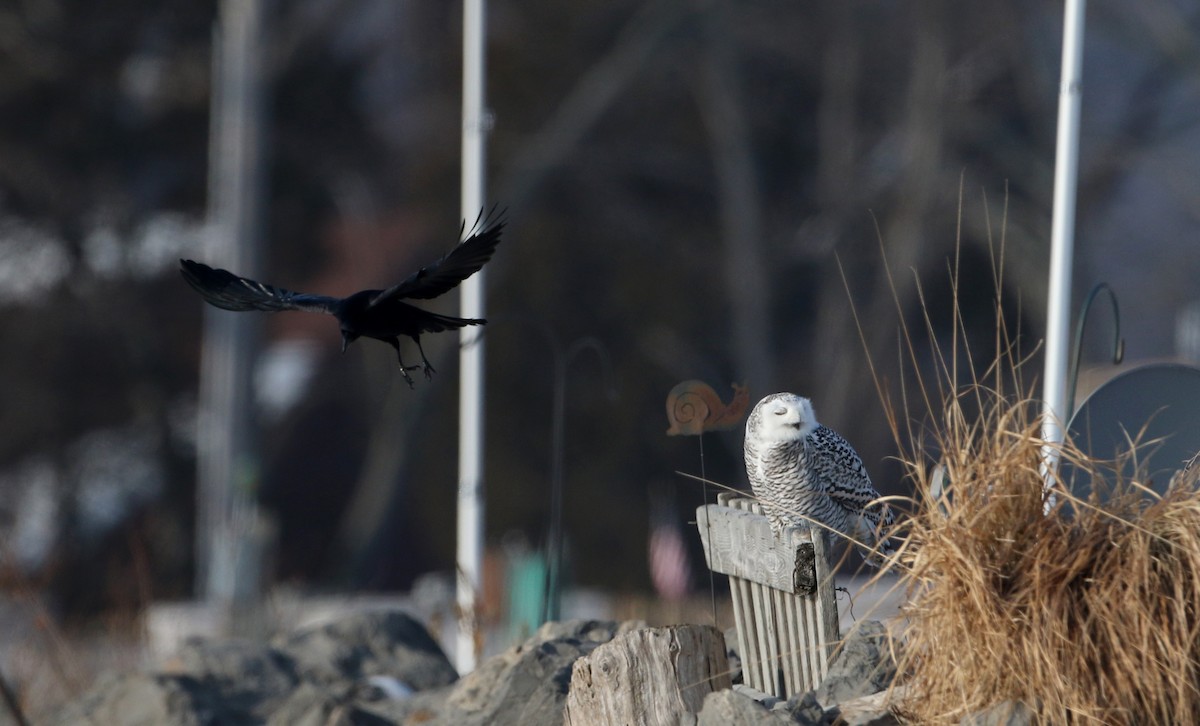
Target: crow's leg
(395,343)
(429,371)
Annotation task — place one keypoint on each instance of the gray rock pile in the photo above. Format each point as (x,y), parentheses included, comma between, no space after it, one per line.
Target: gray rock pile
(384,669)
(372,669)
(345,668)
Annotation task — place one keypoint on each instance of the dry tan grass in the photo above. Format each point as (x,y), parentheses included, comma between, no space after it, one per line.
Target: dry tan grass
(1087,612)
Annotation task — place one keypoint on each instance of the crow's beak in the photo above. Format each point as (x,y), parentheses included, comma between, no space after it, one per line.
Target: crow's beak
(345,342)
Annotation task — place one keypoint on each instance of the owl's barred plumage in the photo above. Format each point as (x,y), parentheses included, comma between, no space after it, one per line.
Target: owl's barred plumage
(801,470)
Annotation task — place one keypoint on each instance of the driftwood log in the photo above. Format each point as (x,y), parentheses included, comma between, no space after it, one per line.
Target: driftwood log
(648,677)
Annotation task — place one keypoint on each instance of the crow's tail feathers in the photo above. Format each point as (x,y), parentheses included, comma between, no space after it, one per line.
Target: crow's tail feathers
(435,323)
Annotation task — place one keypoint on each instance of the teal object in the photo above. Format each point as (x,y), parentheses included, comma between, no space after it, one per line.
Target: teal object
(527,574)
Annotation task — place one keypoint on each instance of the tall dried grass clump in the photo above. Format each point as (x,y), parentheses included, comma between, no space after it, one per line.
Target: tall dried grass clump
(1084,610)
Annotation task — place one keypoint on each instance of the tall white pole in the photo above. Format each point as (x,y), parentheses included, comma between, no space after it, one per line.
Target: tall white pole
(475,120)
(228,555)
(1062,233)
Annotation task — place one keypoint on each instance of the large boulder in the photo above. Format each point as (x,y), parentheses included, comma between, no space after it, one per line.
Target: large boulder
(149,700)
(526,685)
(731,708)
(246,677)
(347,671)
(387,643)
(864,665)
(310,705)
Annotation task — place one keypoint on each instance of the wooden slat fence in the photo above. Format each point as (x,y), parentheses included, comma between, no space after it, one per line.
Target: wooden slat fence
(783,597)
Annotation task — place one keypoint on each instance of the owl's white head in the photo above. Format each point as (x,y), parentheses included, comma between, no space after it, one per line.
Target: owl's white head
(781,417)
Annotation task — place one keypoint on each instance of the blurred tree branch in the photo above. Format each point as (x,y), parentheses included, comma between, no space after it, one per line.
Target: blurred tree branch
(739,203)
(596,90)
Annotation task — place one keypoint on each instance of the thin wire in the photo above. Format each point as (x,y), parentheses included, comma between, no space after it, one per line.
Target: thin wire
(708,528)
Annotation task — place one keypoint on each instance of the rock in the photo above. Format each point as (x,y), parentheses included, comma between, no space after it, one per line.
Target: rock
(525,685)
(383,669)
(248,678)
(387,642)
(869,710)
(425,708)
(1005,713)
(731,708)
(766,699)
(309,705)
(864,665)
(337,673)
(148,700)
(804,709)
(336,660)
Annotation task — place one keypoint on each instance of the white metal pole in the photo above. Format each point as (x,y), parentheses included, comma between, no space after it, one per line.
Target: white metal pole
(228,561)
(471,383)
(1062,234)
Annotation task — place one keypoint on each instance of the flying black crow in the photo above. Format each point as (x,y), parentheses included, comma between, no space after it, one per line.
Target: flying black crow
(379,314)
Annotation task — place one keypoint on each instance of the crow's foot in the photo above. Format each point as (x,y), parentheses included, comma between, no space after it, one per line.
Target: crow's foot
(429,371)
(404,372)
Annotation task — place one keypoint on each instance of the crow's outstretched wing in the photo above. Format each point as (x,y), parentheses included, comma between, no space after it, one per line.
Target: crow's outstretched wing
(457,265)
(226,290)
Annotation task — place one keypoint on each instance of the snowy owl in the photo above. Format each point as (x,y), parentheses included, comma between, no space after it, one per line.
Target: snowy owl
(800,470)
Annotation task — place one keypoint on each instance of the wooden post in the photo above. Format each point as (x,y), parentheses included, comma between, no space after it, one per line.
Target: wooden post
(782,591)
(648,677)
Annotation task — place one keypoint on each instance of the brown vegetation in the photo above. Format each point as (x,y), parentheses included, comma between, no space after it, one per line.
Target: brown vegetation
(1086,609)
(1086,612)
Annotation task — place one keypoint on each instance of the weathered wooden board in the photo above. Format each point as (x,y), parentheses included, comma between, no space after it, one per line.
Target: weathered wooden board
(782,593)
(740,544)
(648,677)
